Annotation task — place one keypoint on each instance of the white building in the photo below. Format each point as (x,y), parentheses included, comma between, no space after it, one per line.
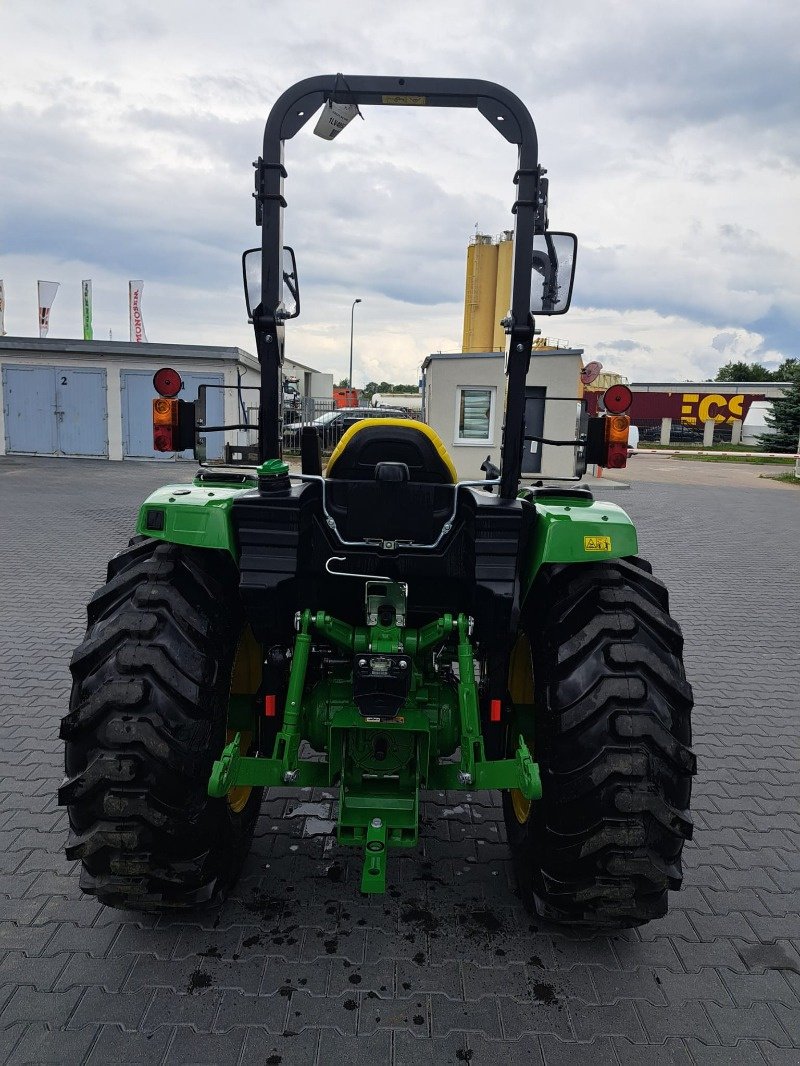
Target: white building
(464,401)
(94,398)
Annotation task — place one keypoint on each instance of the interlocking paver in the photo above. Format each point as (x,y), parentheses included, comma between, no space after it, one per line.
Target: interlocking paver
(744,1053)
(598,1052)
(296,967)
(189,1048)
(40,1044)
(98,1006)
(672,1052)
(114,1044)
(288,1049)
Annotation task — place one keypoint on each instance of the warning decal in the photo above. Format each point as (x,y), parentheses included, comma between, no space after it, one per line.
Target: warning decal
(597,544)
(405,101)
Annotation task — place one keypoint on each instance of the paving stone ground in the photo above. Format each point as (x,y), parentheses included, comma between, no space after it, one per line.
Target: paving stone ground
(297,968)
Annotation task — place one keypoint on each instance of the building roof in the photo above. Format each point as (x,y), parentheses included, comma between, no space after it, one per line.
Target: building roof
(157,352)
(710,386)
(495,355)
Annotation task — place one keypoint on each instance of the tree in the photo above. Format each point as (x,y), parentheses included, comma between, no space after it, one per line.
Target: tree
(342,384)
(787,370)
(784,418)
(757,371)
(745,372)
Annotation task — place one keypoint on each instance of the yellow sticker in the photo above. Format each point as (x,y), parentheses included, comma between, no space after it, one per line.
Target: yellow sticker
(414,101)
(597,544)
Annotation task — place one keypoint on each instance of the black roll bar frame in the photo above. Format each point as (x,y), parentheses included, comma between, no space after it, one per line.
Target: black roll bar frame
(510,117)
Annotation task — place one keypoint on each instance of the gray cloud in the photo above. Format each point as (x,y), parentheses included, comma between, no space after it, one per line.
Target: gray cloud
(670,132)
(623,346)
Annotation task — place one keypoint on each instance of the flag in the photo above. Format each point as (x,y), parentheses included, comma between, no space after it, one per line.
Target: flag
(135,308)
(47,294)
(86,292)
(2,310)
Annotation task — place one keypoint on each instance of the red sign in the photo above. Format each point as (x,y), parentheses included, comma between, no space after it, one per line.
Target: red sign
(691,408)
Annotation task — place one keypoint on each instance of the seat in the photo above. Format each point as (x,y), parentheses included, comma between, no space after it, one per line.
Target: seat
(376,441)
(390,480)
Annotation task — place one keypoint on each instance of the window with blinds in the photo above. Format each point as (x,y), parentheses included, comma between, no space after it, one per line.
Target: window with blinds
(474,416)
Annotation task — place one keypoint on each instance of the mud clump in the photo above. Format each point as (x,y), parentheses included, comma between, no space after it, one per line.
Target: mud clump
(421,917)
(487,920)
(198,979)
(545,993)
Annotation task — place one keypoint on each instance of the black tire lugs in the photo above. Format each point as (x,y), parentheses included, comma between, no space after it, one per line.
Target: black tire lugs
(612,733)
(147,718)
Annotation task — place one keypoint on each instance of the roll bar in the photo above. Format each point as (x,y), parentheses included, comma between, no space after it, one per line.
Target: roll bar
(509,116)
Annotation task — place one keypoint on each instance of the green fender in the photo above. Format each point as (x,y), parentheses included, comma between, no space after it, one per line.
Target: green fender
(576,531)
(198,514)
(566,531)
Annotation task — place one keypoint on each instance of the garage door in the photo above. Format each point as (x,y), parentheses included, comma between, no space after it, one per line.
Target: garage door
(137,413)
(51,410)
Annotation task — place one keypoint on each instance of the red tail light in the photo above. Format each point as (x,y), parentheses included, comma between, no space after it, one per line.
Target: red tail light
(616,428)
(165,425)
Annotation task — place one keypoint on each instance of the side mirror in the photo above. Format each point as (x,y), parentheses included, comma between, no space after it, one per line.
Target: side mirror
(553,272)
(290,284)
(251,273)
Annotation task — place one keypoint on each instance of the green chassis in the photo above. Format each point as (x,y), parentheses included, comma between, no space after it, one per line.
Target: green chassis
(379,801)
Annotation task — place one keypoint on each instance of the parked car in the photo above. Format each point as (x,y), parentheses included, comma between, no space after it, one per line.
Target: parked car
(332,426)
(679,434)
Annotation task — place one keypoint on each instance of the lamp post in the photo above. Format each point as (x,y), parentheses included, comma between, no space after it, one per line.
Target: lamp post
(352,313)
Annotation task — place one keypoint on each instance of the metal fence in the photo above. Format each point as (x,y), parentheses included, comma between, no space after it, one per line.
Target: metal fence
(723,432)
(649,429)
(330,421)
(680,432)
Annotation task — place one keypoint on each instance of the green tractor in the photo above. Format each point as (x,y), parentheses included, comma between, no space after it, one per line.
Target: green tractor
(380,627)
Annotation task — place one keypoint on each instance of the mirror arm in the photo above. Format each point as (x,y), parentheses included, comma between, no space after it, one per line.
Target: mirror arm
(550,293)
(519,358)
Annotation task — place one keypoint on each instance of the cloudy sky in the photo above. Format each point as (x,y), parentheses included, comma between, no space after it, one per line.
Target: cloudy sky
(670,133)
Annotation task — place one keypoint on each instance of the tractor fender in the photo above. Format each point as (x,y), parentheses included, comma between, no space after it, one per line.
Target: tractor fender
(576,531)
(198,515)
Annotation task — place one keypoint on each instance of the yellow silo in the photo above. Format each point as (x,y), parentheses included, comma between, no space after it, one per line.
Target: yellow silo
(479,296)
(502,295)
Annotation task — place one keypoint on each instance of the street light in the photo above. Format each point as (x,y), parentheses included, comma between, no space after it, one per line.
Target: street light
(352,313)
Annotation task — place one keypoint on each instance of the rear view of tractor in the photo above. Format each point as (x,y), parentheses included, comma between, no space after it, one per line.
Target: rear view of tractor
(407,630)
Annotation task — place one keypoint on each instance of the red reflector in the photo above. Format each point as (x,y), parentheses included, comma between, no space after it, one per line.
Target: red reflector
(167,382)
(269,706)
(494,710)
(617,399)
(162,439)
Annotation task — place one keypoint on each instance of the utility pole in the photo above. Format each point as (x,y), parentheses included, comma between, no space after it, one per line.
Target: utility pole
(352,313)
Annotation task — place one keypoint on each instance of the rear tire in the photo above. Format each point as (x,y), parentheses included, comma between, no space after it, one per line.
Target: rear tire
(147,718)
(611,733)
